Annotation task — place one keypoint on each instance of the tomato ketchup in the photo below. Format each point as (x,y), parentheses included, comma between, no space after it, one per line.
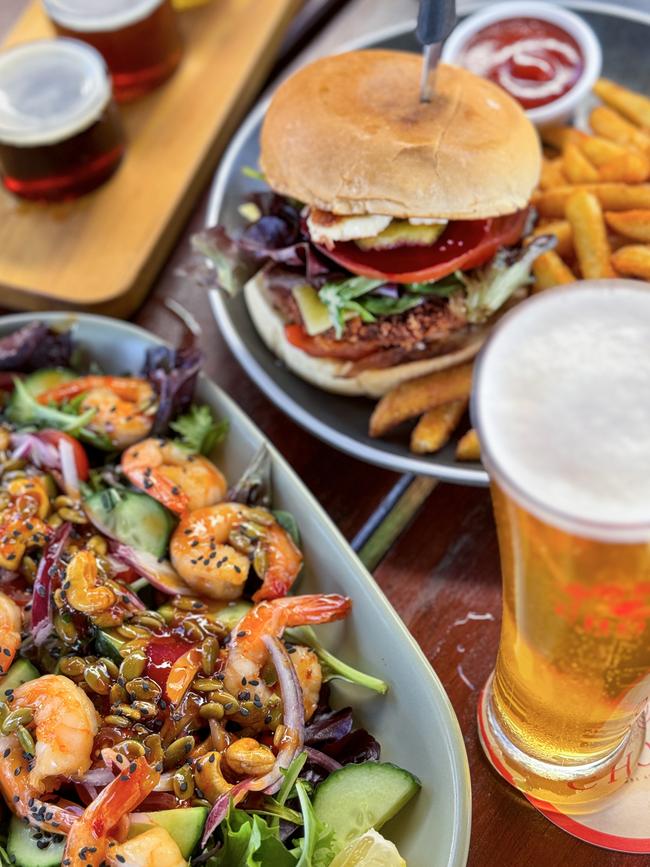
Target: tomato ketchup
(535,61)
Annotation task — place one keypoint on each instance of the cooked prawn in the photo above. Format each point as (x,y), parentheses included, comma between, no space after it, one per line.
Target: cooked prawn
(124,405)
(65,725)
(10,626)
(247,653)
(20,794)
(179,480)
(212,547)
(154,848)
(88,841)
(310,676)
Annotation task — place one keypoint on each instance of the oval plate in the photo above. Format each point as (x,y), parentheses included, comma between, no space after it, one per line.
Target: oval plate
(434,830)
(343,421)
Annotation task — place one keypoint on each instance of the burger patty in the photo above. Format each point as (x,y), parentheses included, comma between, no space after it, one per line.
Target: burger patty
(426,323)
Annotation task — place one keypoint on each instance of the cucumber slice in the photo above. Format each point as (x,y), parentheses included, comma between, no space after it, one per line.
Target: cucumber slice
(26,849)
(108,643)
(229,614)
(132,518)
(35,384)
(359,797)
(20,672)
(185,826)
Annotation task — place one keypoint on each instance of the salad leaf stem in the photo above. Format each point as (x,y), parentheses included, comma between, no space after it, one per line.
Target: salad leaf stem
(332,666)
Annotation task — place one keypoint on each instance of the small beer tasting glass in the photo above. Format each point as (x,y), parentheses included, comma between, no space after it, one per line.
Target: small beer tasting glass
(138,39)
(561,402)
(60,132)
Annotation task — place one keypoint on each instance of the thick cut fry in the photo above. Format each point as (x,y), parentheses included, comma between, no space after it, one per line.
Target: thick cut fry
(435,427)
(610,124)
(631,168)
(468,447)
(633,106)
(562,231)
(549,270)
(576,166)
(552,174)
(558,136)
(632,224)
(633,261)
(589,235)
(600,150)
(612,197)
(416,396)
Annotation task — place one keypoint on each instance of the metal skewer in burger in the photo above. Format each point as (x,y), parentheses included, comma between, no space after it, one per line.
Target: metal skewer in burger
(392,238)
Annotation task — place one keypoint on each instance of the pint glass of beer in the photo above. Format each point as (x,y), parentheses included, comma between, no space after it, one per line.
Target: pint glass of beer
(562,406)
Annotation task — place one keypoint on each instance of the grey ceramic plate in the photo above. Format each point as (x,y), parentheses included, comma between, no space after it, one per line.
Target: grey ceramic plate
(414,722)
(343,421)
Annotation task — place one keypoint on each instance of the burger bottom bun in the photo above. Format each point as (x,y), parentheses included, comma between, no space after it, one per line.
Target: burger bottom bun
(332,374)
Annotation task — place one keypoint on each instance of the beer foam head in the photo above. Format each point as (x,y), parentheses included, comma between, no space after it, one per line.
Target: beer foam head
(562,404)
(92,16)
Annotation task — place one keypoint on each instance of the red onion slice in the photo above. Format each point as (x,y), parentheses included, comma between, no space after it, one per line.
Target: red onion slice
(221,806)
(69,468)
(39,452)
(42,592)
(159,573)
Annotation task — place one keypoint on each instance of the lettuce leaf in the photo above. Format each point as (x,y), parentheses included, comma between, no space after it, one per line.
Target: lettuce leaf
(249,842)
(199,432)
(487,289)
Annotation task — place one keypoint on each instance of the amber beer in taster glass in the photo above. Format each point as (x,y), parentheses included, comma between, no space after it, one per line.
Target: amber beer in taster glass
(60,132)
(139,39)
(562,407)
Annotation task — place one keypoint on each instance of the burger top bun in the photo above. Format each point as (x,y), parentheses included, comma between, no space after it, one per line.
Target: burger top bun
(348,134)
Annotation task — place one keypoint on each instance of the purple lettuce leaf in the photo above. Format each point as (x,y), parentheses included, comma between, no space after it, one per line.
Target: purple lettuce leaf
(35,346)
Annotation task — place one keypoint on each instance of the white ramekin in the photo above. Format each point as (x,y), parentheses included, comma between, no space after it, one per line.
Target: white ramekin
(560,110)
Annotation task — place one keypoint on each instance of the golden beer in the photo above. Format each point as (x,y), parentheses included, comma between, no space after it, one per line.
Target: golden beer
(562,403)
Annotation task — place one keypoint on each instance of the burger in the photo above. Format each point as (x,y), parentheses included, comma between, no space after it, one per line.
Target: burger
(389,237)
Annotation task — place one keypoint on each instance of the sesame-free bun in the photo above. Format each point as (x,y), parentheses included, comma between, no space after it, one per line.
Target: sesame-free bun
(332,374)
(348,134)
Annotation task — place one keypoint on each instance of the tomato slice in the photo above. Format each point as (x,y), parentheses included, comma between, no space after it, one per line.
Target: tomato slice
(464,244)
(327,347)
(54,437)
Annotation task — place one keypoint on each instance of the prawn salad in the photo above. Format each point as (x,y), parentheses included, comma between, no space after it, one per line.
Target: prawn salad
(163,696)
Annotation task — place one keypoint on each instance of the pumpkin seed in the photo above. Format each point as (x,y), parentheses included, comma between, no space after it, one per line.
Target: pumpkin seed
(133,665)
(212,710)
(21,717)
(144,689)
(189,603)
(72,666)
(98,678)
(183,783)
(26,740)
(146,709)
(177,751)
(118,694)
(119,721)
(209,654)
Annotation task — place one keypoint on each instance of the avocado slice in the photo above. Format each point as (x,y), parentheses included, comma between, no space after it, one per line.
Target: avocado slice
(185,826)
(229,614)
(20,672)
(29,847)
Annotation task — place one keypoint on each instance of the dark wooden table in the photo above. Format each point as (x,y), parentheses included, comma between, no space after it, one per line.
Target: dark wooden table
(444,564)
